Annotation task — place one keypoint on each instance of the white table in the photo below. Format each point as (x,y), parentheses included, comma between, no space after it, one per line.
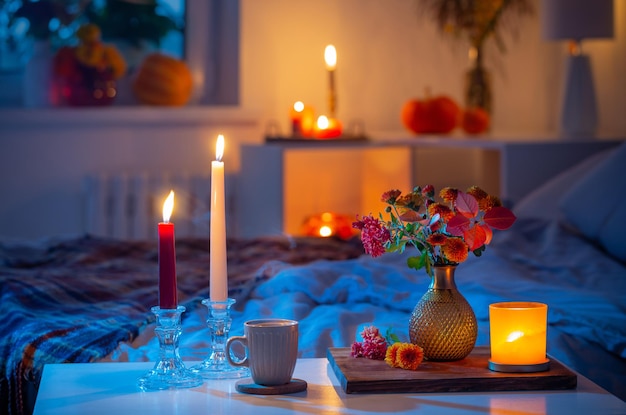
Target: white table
(110,388)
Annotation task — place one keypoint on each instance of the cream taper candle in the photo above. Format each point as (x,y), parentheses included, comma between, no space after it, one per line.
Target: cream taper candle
(217,268)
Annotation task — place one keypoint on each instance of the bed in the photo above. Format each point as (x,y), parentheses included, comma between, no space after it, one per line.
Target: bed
(87,299)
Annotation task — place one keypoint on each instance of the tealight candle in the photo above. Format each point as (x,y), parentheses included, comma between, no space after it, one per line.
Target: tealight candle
(518,337)
(326,127)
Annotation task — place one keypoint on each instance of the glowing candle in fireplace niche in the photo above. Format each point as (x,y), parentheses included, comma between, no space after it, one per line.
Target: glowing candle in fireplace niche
(168,297)
(217,267)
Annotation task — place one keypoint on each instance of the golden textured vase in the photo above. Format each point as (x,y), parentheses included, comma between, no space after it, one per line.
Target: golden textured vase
(443,322)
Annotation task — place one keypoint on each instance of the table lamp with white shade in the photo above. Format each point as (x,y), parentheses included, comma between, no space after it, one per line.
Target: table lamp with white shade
(576,20)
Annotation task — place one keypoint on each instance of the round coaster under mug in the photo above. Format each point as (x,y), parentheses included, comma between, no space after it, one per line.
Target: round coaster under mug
(248,386)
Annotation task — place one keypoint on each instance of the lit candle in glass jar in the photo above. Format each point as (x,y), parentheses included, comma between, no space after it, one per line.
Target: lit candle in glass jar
(518,336)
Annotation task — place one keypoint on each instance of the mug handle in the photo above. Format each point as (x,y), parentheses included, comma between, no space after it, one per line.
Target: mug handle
(244,341)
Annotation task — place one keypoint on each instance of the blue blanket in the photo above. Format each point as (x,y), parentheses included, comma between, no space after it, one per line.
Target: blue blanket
(76,300)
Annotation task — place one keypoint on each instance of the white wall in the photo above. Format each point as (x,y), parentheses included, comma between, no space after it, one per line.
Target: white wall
(45,156)
(388,54)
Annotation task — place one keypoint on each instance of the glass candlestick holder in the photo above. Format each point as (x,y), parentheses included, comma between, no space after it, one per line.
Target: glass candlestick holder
(216,366)
(169,371)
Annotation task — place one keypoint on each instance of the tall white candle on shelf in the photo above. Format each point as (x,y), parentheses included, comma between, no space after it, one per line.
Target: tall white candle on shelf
(217,268)
(330,57)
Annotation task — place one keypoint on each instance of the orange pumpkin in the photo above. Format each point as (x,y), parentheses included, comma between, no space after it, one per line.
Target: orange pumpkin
(438,115)
(163,80)
(475,120)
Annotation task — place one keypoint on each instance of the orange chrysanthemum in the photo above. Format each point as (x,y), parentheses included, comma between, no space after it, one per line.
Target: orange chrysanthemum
(489,202)
(444,211)
(448,194)
(405,356)
(390,355)
(477,192)
(436,239)
(455,250)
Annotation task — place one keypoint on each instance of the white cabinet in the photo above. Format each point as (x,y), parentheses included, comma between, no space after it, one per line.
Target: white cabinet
(282,183)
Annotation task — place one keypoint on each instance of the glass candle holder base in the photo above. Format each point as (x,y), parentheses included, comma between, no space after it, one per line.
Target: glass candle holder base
(507,368)
(169,371)
(216,366)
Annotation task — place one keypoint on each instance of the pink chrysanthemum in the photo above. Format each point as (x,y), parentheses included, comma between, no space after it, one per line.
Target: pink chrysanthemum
(374,345)
(357,349)
(370,333)
(373,235)
(375,349)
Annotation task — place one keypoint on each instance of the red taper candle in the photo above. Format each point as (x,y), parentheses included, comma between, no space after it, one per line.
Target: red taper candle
(168,298)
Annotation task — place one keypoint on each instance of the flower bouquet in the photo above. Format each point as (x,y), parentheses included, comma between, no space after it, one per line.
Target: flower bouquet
(443,233)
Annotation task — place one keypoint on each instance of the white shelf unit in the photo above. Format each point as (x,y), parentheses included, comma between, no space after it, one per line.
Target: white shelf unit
(281,183)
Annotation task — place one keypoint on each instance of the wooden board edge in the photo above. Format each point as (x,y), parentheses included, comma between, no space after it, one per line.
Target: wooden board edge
(565,381)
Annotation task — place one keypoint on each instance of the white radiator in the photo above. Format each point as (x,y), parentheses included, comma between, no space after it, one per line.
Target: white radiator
(129,206)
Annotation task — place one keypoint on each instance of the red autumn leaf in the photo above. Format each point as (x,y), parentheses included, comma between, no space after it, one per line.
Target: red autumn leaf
(475,237)
(499,218)
(488,233)
(457,225)
(466,204)
(410,216)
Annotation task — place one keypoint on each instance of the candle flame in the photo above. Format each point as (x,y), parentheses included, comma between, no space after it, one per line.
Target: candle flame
(219,148)
(298,106)
(168,206)
(514,336)
(330,56)
(326,231)
(322,122)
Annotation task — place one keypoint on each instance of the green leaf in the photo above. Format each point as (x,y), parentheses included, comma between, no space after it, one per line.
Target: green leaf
(391,337)
(479,251)
(429,269)
(416,262)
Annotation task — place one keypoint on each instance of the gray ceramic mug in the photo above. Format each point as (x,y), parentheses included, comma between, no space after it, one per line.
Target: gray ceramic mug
(271,350)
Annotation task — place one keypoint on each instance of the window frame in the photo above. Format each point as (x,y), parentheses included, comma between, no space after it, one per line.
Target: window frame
(211,51)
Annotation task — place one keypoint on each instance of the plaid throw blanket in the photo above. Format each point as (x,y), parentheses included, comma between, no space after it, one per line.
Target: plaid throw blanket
(76,300)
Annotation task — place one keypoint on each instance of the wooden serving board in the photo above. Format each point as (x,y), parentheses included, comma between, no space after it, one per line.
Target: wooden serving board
(361,375)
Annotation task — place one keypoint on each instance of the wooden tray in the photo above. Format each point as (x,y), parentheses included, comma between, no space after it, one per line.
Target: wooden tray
(358,375)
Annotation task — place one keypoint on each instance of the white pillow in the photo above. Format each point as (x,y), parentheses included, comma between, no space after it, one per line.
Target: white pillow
(596,205)
(543,202)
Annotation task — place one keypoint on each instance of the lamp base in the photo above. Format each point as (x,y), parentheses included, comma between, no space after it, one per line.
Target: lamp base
(537,367)
(579,116)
